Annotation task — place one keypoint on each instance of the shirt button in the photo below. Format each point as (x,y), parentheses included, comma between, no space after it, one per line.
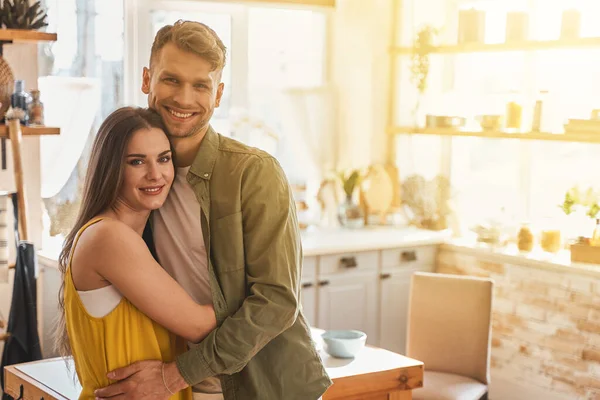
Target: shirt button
(206,175)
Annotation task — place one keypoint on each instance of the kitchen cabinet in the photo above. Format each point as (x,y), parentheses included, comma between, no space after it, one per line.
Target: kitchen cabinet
(364,290)
(398,266)
(308,299)
(349,301)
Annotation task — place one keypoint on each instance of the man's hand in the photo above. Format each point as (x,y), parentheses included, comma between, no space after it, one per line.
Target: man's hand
(143,380)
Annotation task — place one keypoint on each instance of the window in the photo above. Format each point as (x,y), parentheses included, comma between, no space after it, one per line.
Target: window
(81,72)
(275,73)
(271,51)
(521,179)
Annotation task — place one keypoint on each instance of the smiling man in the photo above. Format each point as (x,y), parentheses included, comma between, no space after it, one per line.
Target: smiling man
(228,233)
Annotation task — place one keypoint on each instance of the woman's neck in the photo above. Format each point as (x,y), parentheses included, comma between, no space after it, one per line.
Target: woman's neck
(136,220)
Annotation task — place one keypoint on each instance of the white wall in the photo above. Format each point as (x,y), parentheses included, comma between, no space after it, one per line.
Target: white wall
(360,72)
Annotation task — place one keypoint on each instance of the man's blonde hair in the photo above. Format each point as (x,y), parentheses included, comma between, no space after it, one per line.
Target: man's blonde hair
(194,37)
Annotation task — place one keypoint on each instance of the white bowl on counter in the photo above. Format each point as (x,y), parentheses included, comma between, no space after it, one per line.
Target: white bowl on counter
(343,343)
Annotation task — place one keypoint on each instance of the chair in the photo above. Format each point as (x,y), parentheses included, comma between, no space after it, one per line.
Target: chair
(449,329)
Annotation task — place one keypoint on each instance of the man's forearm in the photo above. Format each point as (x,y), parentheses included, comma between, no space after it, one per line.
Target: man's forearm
(173,379)
(237,348)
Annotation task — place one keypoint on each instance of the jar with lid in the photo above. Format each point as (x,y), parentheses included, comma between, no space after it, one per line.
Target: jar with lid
(525,238)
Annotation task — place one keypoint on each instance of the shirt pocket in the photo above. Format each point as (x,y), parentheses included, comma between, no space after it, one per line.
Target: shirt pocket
(227,239)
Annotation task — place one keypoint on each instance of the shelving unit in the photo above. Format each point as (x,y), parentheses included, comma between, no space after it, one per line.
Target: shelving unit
(15,132)
(473,48)
(574,137)
(31,131)
(528,45)
(24,35)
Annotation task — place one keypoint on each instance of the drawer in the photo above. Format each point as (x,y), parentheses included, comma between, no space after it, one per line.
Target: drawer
(348,262)
(408,257)
(309,267)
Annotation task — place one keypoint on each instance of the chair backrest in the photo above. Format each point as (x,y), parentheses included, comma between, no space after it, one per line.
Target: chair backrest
(449,324)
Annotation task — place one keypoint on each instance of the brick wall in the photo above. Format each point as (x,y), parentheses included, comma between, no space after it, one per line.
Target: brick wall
(546,324)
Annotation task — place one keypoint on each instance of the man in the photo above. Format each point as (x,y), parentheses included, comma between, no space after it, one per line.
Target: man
(229,235)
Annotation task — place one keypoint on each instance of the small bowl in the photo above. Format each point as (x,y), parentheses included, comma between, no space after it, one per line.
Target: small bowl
(343,343)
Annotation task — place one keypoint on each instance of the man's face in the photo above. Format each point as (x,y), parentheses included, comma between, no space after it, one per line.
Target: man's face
(182,88)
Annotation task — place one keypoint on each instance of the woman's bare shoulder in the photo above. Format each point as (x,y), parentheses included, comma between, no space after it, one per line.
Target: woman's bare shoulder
(106,239)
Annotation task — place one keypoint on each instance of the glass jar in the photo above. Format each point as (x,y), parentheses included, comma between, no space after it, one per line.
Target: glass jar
(36,109)
(514,113)
(19,101)
(525,238)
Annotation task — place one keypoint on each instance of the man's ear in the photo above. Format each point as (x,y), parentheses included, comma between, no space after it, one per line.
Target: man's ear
(146,81)
(219,94)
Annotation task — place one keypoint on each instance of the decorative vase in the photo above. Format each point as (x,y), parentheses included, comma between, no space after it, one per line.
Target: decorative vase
(351,214)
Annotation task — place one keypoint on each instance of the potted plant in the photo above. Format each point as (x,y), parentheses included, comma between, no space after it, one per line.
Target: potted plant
(581,208)
(350,213)
(419,63)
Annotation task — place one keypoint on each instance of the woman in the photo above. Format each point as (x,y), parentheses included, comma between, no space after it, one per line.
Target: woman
(118,304)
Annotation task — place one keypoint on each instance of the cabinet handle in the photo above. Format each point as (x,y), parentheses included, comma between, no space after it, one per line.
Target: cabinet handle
(323,283)
(307,285)
(385,276)
(409,255)
(348,262)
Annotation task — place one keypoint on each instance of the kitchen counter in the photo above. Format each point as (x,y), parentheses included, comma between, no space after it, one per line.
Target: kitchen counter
(316,241)
(330,241)
(374,373)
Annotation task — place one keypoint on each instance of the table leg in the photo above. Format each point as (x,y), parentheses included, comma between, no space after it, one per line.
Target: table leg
(401,395)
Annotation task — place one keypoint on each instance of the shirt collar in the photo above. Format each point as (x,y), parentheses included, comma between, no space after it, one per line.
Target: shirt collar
(206,157)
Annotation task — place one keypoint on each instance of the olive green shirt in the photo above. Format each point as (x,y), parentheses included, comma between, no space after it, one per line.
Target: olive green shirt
(262,347)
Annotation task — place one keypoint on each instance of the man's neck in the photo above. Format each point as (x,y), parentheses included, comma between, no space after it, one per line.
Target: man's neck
(187,148)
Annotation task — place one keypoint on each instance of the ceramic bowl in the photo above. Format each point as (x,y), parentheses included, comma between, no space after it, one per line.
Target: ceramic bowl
(343,343)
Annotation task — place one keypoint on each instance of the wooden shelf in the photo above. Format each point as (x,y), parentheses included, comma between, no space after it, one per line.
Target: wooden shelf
(26,35)
(31,130)
(557,137)
(529,45)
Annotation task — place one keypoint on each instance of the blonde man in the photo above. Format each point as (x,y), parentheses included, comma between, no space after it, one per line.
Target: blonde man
(228,234)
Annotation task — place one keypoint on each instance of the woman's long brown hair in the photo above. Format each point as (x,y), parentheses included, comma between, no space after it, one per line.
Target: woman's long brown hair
(103,181)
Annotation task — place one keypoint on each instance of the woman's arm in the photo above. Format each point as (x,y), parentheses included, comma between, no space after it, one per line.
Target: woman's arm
(119,255)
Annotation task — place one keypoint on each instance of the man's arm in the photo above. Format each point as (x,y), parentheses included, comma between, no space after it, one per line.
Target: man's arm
(273,257)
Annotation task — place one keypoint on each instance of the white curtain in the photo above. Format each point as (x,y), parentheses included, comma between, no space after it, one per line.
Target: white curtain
(308,122)
(71,104)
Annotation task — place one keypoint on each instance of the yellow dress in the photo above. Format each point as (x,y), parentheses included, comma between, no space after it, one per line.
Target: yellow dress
(123,336)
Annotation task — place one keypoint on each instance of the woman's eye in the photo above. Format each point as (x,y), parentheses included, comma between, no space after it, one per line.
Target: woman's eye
(165,159)
(135,162)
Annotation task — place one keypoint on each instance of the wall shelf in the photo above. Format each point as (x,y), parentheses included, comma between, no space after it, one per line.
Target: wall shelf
(31,131)
(574,137)
(26,35)
(529,45)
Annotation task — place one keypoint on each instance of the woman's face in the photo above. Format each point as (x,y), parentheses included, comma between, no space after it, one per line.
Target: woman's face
(148,172)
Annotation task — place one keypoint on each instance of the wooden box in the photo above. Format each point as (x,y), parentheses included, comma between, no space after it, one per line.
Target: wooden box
(584,253)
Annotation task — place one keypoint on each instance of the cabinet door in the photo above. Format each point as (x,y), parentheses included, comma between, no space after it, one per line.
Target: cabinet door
(349,301)
(395,293)
(308,298)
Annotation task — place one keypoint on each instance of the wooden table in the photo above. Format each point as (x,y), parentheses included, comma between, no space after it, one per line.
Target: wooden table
(375,374)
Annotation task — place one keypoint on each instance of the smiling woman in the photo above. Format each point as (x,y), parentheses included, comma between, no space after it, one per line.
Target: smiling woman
(129,175)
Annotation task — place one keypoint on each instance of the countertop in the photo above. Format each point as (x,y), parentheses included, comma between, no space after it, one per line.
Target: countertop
(328,241)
